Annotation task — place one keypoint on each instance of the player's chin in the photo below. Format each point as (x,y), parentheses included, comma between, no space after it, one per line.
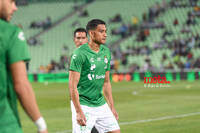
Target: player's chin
(103,41)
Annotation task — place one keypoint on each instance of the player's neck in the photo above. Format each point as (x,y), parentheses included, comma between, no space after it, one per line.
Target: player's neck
(94,46)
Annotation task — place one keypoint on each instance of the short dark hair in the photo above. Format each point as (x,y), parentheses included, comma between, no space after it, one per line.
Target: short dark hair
(92,24)
(80,30)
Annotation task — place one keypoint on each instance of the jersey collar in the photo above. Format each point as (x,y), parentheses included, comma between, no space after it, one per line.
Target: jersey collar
(94,51)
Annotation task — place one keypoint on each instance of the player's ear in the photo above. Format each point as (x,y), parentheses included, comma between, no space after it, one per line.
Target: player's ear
(91,33)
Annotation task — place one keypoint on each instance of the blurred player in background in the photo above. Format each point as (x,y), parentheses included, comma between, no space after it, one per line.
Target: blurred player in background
(13,77)
(89,80)
(80,38)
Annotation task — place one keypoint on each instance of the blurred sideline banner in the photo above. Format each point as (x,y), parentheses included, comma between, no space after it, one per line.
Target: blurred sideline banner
(117,77)
(51,77)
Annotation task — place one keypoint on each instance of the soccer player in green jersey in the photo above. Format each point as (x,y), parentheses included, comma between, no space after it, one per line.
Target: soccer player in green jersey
(13,77)
(80,38)
(89,83)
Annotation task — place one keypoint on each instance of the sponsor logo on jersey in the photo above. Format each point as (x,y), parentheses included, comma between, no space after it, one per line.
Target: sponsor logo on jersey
(92,76)
(93,66)
(21,36)
(100,76)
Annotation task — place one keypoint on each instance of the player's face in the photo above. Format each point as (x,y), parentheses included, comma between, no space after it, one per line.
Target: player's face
(80,38)
(7,9)
(100,34)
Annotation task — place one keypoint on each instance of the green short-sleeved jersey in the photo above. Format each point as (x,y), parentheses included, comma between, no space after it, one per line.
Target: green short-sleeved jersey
(13,48)
(92,67)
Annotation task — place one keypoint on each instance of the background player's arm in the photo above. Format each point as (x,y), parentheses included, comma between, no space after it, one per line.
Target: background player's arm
(107,89)
(73,82)
(24,91)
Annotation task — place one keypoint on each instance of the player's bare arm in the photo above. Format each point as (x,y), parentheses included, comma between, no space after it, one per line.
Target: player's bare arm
(107,89)
(24,91)
(73,82)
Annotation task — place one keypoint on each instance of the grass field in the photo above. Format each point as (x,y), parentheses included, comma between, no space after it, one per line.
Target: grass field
(174,109)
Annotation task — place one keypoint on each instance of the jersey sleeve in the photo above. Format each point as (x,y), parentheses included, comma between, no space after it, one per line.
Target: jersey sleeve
(109,59)
(17,50)
(77,60)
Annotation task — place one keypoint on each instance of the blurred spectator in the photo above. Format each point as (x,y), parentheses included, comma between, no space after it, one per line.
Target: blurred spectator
(197,37)
(164,5)
(124,59)
(166,33)
(197,63)
(43,24)
(193,2)
(123,30)
(146,32)
(189,56)
(165,62)
(164,57)
(35,24)
(191,42)
(116,65)
(169,66)
(135,20)
(142,35)
(47,23)
(176,58)
(187,64)
(84,13)
(186,29)
(147,65)
(34,41)
(116,18)
(196,8)
(191,20)
(145,50)
(134,67)
(144,17)
(175,22)
(63,62)
(43,69)
(53,66)
(75,6)
(180,65)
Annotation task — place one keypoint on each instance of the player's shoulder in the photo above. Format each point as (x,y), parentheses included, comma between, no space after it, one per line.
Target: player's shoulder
(10,32)
(80,49)
(8,27)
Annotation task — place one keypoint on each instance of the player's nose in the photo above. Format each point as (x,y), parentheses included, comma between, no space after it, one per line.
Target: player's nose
(14,7)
